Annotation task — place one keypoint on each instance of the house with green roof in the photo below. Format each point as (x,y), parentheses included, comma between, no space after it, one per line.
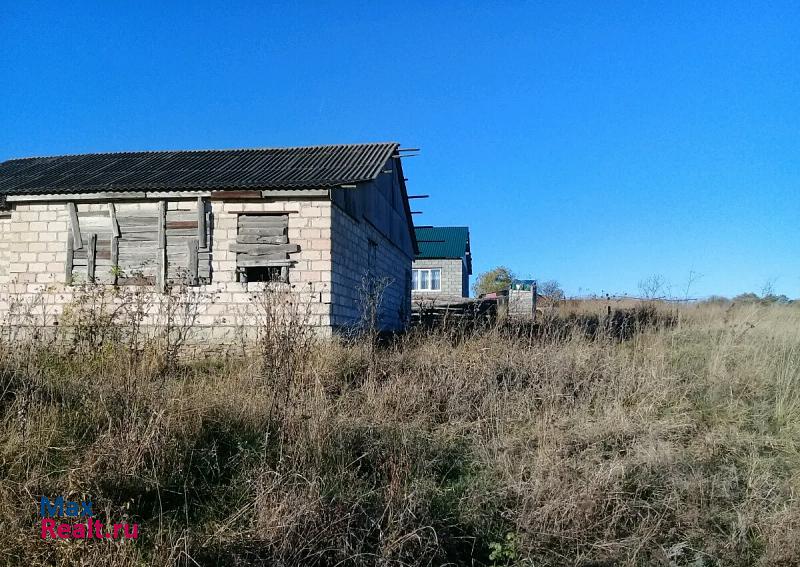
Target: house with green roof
(444,262)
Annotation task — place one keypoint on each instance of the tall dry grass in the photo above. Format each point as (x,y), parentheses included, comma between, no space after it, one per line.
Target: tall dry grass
(676,444)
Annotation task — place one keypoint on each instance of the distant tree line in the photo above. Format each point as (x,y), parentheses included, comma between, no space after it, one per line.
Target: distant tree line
(751,297)
(654,287)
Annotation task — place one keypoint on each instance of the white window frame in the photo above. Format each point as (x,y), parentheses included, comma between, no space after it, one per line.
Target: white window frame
(415,279)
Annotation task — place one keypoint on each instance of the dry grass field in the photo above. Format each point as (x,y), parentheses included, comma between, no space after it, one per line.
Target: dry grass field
(677,445)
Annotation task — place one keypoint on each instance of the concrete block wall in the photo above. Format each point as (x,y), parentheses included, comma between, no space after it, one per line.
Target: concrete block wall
(520,302)
(454,283)
(352,240)
(5,227)
(36,250)
(33,257)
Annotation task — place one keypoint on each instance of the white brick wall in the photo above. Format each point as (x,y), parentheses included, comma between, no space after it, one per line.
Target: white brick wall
(30,254)
(350,264)
(5,245)
(326,276)
(33,257)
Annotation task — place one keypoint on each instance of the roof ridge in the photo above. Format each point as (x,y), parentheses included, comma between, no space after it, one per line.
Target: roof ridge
(200,151)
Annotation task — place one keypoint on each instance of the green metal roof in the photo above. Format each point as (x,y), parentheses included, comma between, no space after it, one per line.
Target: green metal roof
(444,242)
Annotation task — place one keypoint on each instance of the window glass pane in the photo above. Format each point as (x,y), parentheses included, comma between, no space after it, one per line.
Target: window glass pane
(436,279)
(414,276)
(423,279)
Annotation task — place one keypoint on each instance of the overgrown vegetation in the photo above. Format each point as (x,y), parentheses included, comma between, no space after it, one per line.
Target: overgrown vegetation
(497,279)
(676,443)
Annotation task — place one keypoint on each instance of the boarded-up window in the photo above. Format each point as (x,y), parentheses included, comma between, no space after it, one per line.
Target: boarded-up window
(91,259)
(262,248)
(138,244)
(184,249)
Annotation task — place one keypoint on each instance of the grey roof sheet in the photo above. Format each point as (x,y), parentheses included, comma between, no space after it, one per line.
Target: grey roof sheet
(267,168)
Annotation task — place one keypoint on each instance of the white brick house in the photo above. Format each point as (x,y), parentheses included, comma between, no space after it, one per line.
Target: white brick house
(323,219)
(443,264)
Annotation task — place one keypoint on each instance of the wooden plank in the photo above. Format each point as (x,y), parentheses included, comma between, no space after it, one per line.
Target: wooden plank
(260,249)
(148,246)
(143,227)
(173,216)
(261,257)
(101,243)
(177,251)
(149,212)
(236,195)
(263,218)
(138,224)
(100,226)
(162,246)
(255,239)
(201,223)
(173,232)
(112,214)
(264,213)
(256,263)
(182,224)
(258,228)
(261,231)
(76,227)
(91,257)
(193,267)
(140,237)
(177,194)
(132,265)
(247,220)
(114,258)
(69,260)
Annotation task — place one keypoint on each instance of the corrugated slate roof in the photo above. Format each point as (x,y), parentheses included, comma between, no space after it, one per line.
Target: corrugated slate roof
(267,168)
(444,242)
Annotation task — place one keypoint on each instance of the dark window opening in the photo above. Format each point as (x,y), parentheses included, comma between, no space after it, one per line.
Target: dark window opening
(264,274)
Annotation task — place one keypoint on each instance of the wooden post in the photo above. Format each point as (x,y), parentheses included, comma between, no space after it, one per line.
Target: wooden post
(114,259)
(69,260)
(534,294)
(91,256)
(77,241)
(201,223)
(112,213)
(162,246)
(192,243)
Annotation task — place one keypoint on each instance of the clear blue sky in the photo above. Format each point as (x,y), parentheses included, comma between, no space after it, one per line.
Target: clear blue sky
(593,143)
